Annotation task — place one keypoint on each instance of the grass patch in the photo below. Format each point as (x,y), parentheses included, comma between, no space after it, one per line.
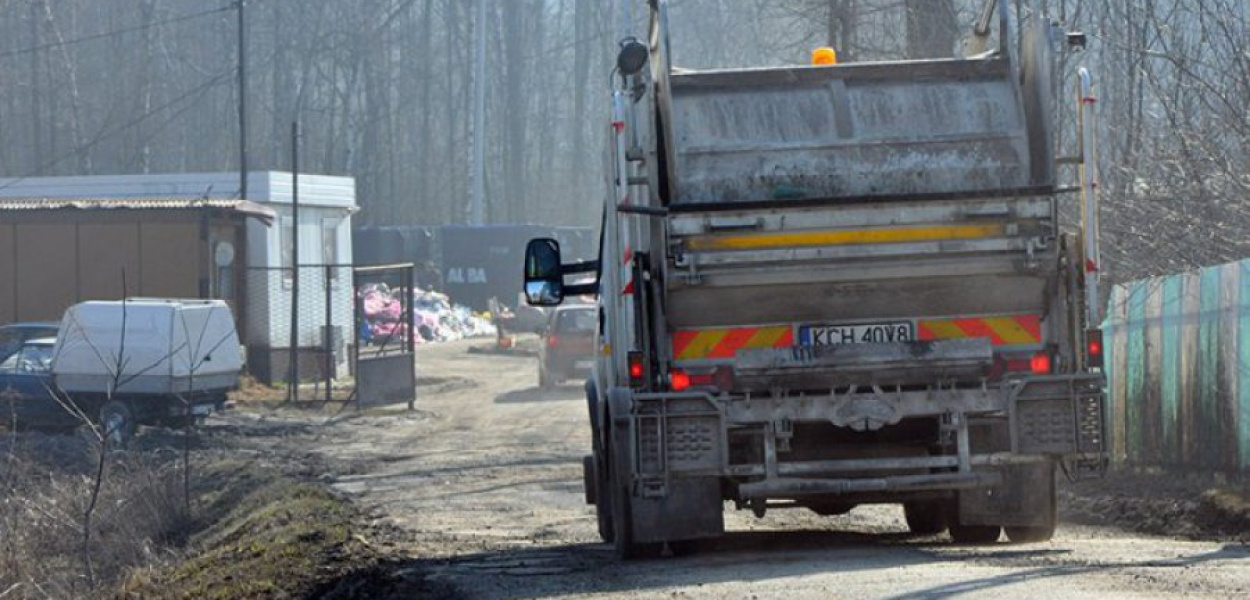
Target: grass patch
(263,535)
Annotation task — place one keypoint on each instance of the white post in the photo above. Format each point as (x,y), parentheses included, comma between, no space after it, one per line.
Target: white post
(1089,198)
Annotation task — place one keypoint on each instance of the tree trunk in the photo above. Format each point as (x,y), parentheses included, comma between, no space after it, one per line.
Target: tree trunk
(932,28)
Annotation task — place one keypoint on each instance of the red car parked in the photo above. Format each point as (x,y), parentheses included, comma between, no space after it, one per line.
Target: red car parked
(568,345)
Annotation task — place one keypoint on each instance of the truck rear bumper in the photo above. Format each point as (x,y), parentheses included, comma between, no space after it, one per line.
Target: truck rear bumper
(1050,418)
(789,487)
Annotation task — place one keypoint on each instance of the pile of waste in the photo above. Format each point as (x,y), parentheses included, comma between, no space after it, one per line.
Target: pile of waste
(435,317)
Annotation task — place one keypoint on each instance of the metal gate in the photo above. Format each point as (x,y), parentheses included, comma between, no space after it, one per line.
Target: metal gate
(384,355)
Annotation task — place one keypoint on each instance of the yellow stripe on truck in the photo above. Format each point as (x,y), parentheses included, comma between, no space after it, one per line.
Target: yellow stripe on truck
(1011,331)
(1016,330)
(893,235)
(703,344)
(945,330)
(721,344)
(766,338)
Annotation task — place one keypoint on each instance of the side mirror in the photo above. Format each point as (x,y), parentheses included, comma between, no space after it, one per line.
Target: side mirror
(544,275)
(632,57)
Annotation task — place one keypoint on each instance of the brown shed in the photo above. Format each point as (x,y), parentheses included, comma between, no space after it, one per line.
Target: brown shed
(57,252)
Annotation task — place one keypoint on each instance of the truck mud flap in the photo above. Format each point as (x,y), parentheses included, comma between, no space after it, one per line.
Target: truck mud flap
(1024,498)
(690,509)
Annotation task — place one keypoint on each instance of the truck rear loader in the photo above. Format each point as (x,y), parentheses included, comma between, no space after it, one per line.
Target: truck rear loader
(842,284)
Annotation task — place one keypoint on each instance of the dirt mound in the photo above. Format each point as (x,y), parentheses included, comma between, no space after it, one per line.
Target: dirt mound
(1227,509)
(266,535)
(1193,506)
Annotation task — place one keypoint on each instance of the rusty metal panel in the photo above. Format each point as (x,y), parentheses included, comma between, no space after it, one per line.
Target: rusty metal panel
(46,268)
(1179,352)
(869,130)
(172,260)
(105,251)
(8,273)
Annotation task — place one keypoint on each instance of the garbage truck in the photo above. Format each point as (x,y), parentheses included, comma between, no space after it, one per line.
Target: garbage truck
(830,285)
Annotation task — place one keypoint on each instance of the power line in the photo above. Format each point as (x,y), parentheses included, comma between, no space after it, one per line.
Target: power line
(114,33)
(198,92)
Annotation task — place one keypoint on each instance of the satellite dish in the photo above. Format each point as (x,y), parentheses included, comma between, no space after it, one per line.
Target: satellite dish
(223,254)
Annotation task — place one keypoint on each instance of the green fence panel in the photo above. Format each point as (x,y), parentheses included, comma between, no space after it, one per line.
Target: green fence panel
(1178,354)
(1243,365)
(1172,315)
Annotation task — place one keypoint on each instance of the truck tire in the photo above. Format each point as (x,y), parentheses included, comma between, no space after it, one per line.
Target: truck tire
(974,535)
(925,517)
(117,423)
(603,508)
(622,497)
(1030,535)
(544,380)
(589,485)
(602,470)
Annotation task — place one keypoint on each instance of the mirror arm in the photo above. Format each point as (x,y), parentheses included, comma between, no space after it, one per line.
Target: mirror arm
(585,289)
(646,211)
(589,266)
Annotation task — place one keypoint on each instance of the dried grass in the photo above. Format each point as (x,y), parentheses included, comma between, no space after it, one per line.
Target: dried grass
(45,482)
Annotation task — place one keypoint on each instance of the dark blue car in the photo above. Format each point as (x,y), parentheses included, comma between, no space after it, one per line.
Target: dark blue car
(12,336)
(27,400)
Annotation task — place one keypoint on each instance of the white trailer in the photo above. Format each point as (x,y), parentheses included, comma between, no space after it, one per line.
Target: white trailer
(147,361)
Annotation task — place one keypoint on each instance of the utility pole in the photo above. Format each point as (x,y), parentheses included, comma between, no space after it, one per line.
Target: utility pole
(240,6)
(294,356)
(477,162)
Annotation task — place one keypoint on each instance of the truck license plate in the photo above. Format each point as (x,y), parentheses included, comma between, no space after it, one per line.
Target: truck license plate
(860,333)
(584,365)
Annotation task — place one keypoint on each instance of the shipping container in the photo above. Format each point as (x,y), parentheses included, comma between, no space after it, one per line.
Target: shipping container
(483,262)
(388,245)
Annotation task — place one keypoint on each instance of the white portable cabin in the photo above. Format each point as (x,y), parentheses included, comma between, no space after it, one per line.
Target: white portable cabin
(148,346)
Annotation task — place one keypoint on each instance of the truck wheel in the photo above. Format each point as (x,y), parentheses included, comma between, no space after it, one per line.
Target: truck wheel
(544,380)
(620,484)
(622,526)
(602,484)
(925,517)
(589,486)
(974,534)
(603,508)
(117,423)
(1030,535)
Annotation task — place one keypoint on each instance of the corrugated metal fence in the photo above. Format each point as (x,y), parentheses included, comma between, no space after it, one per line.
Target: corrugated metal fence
(1179,369)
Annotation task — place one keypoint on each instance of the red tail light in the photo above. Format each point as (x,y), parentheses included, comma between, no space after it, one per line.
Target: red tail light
(637,370)
(553,340)
(679,380)
(1018,365)
(1040,364)
(1094,345)
(719,379)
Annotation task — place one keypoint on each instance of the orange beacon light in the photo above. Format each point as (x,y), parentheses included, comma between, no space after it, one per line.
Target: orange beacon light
(824,56)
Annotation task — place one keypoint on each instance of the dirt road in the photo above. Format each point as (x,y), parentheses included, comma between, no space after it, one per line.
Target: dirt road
(486,482)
